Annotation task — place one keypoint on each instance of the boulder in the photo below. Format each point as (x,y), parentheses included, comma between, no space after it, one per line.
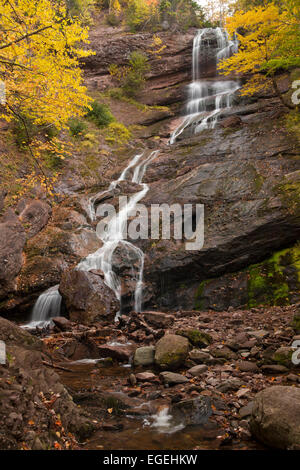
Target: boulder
(62,323)
(194,411)
(145,377)
(144,356)
(197,371)
(275,417)
(88,299)
(230,385)
(283,356)
(159,319)
(200,357)
(241,341)
(119,352)
(171,352)
(196,337)
(223,352)
(247,366)
(171,378)
(35,216)
(274,369)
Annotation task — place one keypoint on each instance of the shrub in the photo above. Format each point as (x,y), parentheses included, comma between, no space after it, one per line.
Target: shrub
(112,19)
(100,114)
(135,77)
(140,14)
(77,127)
(117,133)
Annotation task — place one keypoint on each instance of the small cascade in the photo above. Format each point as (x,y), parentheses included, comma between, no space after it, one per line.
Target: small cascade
(47,306)
(113,236)
(206,98)
(164,423)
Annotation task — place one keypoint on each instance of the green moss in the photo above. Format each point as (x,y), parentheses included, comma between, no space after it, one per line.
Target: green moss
(196,337)
(199,304)
(276,281)
(258,181)
(289,193)
(268,284)
(283,356)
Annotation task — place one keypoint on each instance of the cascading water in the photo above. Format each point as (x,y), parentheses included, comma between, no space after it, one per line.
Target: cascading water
(113,236)
(49,303)
(206,98)
(47,306)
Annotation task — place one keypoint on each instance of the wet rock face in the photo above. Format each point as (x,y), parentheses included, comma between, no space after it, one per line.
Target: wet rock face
(247,179)
(32,396)
(37,249)
(87,297)
(276,417)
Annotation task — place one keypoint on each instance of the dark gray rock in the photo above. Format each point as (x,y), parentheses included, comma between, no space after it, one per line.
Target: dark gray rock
(171,378)
(194,411)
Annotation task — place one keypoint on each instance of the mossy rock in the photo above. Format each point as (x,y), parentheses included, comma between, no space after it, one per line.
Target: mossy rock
(275,281)
(283,356)
(196,337)
(171,351)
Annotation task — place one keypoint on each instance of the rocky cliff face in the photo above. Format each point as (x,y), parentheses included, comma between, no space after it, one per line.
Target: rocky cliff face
(169,69)
(248,180)
(245,171)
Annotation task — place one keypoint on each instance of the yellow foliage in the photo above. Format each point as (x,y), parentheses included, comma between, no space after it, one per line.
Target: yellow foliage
(157,46)
(39,61)
(263,31)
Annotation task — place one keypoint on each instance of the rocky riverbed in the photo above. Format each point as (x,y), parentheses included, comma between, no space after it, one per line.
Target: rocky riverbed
(183,379)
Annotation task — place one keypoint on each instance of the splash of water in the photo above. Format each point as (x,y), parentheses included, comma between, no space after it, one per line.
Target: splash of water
(163,422)
(206,98)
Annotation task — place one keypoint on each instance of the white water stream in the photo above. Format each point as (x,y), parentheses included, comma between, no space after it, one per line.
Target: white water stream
(206,98)
(113,236)
(48,304)
(46,307)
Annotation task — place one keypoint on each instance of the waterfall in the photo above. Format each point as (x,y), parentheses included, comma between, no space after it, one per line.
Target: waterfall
(113,236)
(206,98)
(46,307)
(48,304)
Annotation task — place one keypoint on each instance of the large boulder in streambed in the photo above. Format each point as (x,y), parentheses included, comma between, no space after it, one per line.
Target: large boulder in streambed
(87,297)
(275,417)
(171,352)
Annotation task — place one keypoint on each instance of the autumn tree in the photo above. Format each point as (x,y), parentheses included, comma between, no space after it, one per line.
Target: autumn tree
(40,49)
(269,40)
